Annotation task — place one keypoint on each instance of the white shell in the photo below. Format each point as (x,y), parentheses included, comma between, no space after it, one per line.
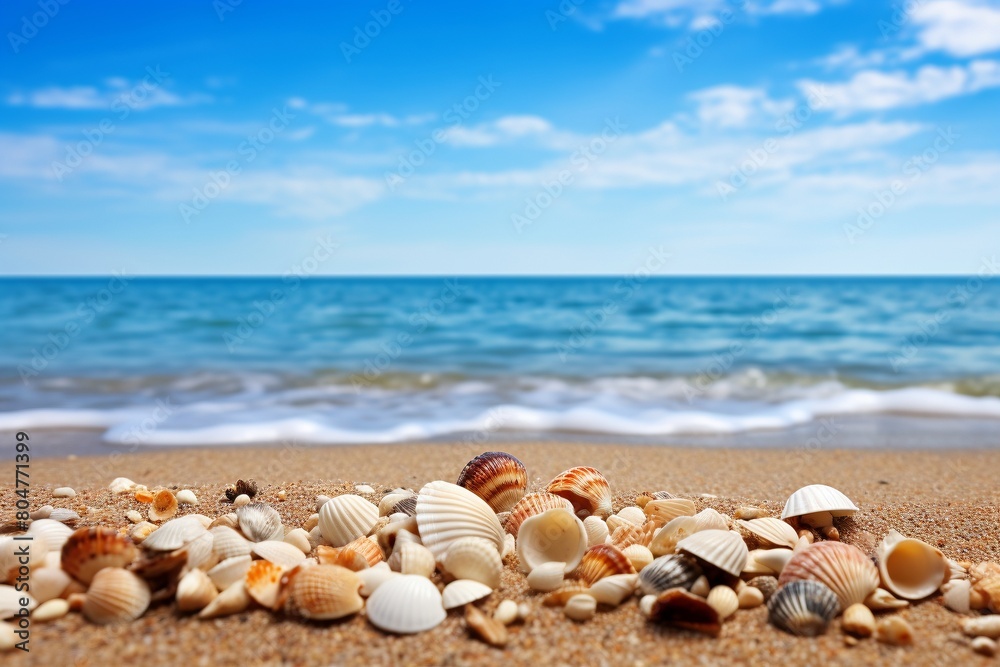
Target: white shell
(115,596)
(911,569)
(597,530)
(633,514)
(10,601)
(48,583)
(773,531)
(63,492)
(615,589)
(506,612)
(665,540)
(638,555)
(195,591)
(174,534)
(187,497)
(229,571)
(259,522)
(121,485)
(346,518)
(818,498)
(724,601)
(547,576)
(299,538)
(724,549)
(413,558)
(553,535)
(390,499)
(53,533)
(373,577)
(279,553)
(406,604)
(200,552)
(474,558)
(772,561)
(463,591)
(50,611)
(228,543)
(955,594)
(447,512)
(710,519)
(580,607)
(883,600)
(233,600)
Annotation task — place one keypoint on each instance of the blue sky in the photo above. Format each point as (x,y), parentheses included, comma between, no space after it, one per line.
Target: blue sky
(778,136)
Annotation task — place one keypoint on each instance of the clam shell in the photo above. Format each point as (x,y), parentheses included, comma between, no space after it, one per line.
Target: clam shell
(845,570)
(560,596)
(229,571)
(232,600)
(447,512)
(803,608)
(858,620)
(227,543)
(260,522)
(586,488)
(463,591)
(646,496)
(299,538)
(628,535)
(53,533)
(547,576)
(676,606)
(602,561)
(279,553)
(911,569)
(724,601)
(200,552)
(665,511)
(195,591)
(665,540)
(818,498)
(615,589)
(373,577)
(115,596)
(164,505)
(50,611)
(48,583)
(767,561)
(597,530)
(121,485)
(345,518)
(406,604)
(10,601)
(89,550)
(581,607)
(955,594)
(772,531)
(325,592)
(665,572)
(414,559)
(173,534)
(632,514)
(342,556)
(532,504)
(497,477)
(553,535)
(387,504)
(638,555)
(710,519)
(476,559)
(724,549)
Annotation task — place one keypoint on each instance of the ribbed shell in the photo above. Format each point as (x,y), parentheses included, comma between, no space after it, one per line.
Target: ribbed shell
(615,589)
(843,568)
(325,592)
(723,600)
(53,533)
(280,553)
(586,488)
(174,534)
(389,501)
(259,522)
(407,506)
(463,591)
(195,591)
(818,498)
(603,560)
(665,539)
(722,548)
(447,512)
(666,510)
(628,535)
(666,572)
(772,531)
(530,505)
(406,604)
(554,535)
(229,571)
(597,530)
(474,558)
(342,556)
(115,596)
(228,542)
(710,519)
(497,477)
(803,608)
(89,550)
(413,558)
(639,556)
(345,518)
(645,496)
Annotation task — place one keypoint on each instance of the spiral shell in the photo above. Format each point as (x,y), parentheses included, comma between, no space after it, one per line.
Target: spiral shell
(259,522)
(497,477)
(911,569)
(843,568)
(554,535)
(324,592)
(345,518)
(602,561)
(115,596)
(89,550)
(666,572)
(803,608)
(586,488)
(447,512)
(532,504)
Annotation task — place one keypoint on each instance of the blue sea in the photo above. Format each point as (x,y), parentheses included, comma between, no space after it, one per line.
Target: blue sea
(227,361)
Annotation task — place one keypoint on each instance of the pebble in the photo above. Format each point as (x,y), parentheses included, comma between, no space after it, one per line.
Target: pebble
(241,500)
(282,496)
(894,630)
(121,485)
(506,612)
(133,516)
(580,607)
(489,630)
(50,610)
(64,492)
(984,646)
(364,488)
(187,497)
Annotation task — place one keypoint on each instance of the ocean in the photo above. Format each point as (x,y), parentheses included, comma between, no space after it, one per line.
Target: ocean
(150,362)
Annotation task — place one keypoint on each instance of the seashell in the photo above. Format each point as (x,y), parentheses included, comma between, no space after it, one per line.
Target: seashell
(89,550)
(772,561)
(894,630)
(115,596)
(407,506)
(497,477)
(369,549)
(121,485)
(509,546)
(858,620)
(50,611)
(553,535)
(724,601)
(638,555)
(43,512)
(532,504)
(803,608)
(490,630)
(816,499)
(164,506)
(474,558)
(195,591)
(324,592)
(229,571)
(597,530)
(345,518)
(187,497)
(279,553)
(389,501)
(447,512)
(232,600)
(586,488)
(463,591)
(10,558)
(63,515)
(666,538)
(614,522)
(547,576)
(602,561)
(665,572)
(506,612)
(53,533)
(523,611)
(299,539)
(989,590)
(365,489)
(200,553)
(580,607)
(632,514)
(260,522)
(626,535)
(342,556)
(10,601)
(615,589)
(559,597)
(911,569)
(406,604)
(48,583)
(134,516)
(386,535)
(263,582)
(767,585)
(666,510)
(772,531)
(241,500)
(701,587)
(710,519)
(956,595)
(142,494)
(982,626)
(172,535)
(373,577)
(984,570)
(227,543)
(724,549)
(646,603)
(749,597)
(228,520)
(748,512)
(883,600)
(643,498)
(63,492)
(242,487)
(677,607)
(414,559)
(984,646)
(845,570)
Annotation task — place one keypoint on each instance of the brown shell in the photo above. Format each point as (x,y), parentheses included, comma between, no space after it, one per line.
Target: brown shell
(602,560)
(676,606)
(625,536)
(532,504)
(89,550)
(843,568)
(324,592)
(241,488)
(360,554)
(497,477)
(407,506)
(560,597)
(765,584)
(586,488)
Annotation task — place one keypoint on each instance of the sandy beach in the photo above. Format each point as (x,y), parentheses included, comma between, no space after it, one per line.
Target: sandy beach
(949,499)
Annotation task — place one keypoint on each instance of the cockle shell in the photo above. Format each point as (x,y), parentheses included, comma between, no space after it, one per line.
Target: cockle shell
(664,511)
(843,568)
(164,505)
(772,531)
(48,583)
(324,592)
(627,535)
(53,533)
(615,589)
(227,543)
(173,534)
(710,519)
(345,518)
(413,558)
(858,620)
(547,576)
(115,596)
(497,477)
(89,550)
(373,577)
(279,553)
(638,555)
(200,552)
(532,504)
(597,530)
(665,572)
(260,522)
(229,571)
(342,556)
(463,591)
(581,607)
(232,600)
(586,488)
(447,512)
(724,549)
(195,591)
(911,569)
(803,608)
(263,582)
(632,514)
(676,606)
(187,497)
(553,535)
(817,498)
(724,601)
(666,538)
(602,560)
(406,604)
(474,558)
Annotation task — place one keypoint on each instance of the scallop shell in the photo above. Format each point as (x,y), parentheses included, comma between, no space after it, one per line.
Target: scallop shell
(279,553)
(474,558)
(345,518)
(629,535)
(909,568)
(447,512)
(407,506)
(632,514)
(710,519)
(597,530)
(724,601)
(803,608)
(638,555)
(547,576)
(413,558)
(772,531)
(53,533)
(164,506)
(369,549)
(665,572)
(843,568)
(406,604)
(497,477)
(602,561)
(586,488)
(615,589)
(665,511)
(233,600)
(229,571)
(724,549)
(665,539)
(676,606)
(260,522)
(173,534)
(325,592)
(227,543)
(532,504)
(553,535)
(89,550)
(115,596)
(200,552)
(48,583)
(195,591)
(463,591)
(817,498)
(342,556)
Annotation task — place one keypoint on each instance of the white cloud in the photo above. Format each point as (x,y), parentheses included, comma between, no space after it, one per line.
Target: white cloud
(960,29)
(698,14)
(506,129)
(144,94)
(337,114)
(849,56)
(734,106)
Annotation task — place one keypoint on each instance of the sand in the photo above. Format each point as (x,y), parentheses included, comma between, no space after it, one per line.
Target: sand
(949,499)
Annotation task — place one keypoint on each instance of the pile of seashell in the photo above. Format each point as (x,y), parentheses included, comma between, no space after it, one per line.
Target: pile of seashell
(405,562)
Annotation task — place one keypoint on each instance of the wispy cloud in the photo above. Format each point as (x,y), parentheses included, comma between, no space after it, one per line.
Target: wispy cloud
(735,106)
(145,93)
(696,13)
(958,28)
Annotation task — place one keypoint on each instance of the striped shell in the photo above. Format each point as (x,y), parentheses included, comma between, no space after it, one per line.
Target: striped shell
(772,531)
(405,604)
(602,561)
(843,568)
(228,542)
(447,512)
(259,522)
(496,477)
(324,592)
(666,510)
(724,549)
(666,572)
(530,505)
(53,533)
(474,558)
(597,530)
(615,589)
(115,596)
(646,496)
(626,536)
(89,550)
(345,518)
(555,535)
(586,488)
(463,591)
(818,498)
(229,571)
(342,556)
(710,519)
(280,553)
(174,534)
(803,608)
(676,606)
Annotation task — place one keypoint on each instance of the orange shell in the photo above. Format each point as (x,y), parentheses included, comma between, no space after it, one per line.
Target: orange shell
(602,560)
(89,550)
(586,488)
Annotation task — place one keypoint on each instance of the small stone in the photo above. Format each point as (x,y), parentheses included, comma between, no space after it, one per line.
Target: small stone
(750,597)
(187,497)
(506,612)
(524,611)
(64,492)
(750,513)
(282,496)
(983,626)
(850,641)
(646,605)
(121,485)
(364,488)
(580,607)
(50,610)
(241,500)
(894,630)
(489,630)
(133,516)
(984,646)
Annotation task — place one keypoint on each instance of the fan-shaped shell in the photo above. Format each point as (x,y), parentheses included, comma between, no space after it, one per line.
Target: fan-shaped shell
(89,550)
(597,530)
(723,600)
(676,606)
(666,572)
(229,571)
(724,549)
(629,535)
(665,539)
(463,591)
(586,488)
(115,596)
(633,514)
(532,504)
(345,518)
(342,556)
(602,561)
(772,531)
(259,522)
(164,505)
(53,533)
(843,568)
(497,477)
(553,535)
(476,559)
(325,592)
(174,534)
(666,510)
(195,591)
(638,555)
(911,569)
(615,589)
(818,498)
(280,553)
(227,543)
(447,512)
(48,583)
(406,604)
(803,608)
(710,519)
